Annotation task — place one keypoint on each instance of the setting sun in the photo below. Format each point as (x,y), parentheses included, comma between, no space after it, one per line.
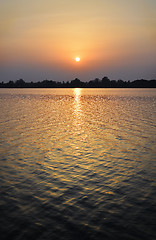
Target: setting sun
(77,59)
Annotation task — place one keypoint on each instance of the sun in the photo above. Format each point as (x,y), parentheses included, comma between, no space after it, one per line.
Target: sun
(77,59)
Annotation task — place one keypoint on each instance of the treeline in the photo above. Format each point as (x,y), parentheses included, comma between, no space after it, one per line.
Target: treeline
(105,82)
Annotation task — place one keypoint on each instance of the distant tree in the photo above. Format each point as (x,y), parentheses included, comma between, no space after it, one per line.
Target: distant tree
(2,85)
(75,83)
(105,82)
(10,84)
(20,83)
(113,84)
(96,80)
(96,83)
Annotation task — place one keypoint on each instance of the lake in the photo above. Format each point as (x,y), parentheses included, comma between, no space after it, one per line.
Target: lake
(78,164)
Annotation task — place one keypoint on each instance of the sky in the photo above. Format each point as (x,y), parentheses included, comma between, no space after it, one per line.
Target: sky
(40,39)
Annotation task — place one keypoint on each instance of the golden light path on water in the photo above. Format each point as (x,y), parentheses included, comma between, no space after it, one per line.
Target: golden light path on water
(78,122)
(77,101)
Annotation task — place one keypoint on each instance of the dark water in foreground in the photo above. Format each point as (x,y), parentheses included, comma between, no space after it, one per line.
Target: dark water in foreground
(78,164)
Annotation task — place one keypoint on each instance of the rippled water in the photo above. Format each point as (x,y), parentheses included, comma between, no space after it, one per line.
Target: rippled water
(78,164)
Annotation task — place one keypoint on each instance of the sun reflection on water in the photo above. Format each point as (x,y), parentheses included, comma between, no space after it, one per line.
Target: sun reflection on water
(77,101)
(77,93)
(78,122)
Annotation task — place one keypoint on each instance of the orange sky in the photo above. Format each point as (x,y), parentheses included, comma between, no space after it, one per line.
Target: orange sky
(41,38)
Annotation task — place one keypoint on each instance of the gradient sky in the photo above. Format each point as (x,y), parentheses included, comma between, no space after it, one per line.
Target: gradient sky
(39,39)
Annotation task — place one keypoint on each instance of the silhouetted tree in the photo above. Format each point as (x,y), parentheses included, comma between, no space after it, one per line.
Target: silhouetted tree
(76,83)
(105,82)
(10,84)
(20,83)
(96,83)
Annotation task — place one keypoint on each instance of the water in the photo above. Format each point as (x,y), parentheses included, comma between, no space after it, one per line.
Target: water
(78,164)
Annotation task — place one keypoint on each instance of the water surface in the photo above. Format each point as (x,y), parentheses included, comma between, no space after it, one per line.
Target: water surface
(78,164)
